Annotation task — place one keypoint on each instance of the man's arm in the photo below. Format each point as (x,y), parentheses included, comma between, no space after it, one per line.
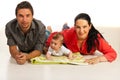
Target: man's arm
(18,56)
(33,54)
(13,51)
(21,57)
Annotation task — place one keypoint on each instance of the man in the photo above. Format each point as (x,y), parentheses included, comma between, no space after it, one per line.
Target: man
(25,35)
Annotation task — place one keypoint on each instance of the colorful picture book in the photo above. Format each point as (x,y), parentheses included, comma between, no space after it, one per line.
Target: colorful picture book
(78,60)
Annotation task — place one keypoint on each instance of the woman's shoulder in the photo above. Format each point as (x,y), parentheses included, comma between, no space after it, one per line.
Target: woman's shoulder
(69,31)
(99,35)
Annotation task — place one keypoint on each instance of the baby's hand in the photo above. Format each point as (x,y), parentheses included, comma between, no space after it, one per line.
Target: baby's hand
(49,58)
(74,56)
(70,57)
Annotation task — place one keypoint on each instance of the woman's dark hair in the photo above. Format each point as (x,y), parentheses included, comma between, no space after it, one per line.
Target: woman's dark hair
(93,33)
(22,5)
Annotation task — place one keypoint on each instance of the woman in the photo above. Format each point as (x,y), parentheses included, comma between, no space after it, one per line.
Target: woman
(84,38)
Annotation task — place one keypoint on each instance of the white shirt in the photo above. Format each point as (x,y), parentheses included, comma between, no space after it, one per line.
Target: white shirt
(63,50)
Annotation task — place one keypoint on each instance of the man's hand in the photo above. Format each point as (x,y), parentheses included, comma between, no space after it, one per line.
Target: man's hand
(21,58)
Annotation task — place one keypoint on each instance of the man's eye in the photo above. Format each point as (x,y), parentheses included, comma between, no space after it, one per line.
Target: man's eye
(28,15)
(84,26)
(78,27)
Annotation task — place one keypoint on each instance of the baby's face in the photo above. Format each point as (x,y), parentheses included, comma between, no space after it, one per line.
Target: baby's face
(55,44)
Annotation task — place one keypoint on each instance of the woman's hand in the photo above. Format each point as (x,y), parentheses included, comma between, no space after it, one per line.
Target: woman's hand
(96,60)
(93,60)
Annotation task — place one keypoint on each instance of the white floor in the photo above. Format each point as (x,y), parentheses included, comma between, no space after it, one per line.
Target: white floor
(9,70)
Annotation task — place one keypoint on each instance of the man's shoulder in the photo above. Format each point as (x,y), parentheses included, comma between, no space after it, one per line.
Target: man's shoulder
(13,21)
(37,21)
(38,26)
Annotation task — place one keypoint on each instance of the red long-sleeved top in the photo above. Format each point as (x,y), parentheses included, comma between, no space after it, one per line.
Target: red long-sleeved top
(70,40)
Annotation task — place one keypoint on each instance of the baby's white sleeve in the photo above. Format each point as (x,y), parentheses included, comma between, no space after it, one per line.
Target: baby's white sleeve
(65,50)
(50,50)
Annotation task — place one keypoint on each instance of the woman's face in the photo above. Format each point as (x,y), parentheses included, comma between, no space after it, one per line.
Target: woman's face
(82,29)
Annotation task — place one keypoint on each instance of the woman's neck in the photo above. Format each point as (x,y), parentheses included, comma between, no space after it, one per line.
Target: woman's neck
(79,43)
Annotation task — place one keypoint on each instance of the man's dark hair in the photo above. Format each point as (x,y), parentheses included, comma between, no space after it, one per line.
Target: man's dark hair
(23,5)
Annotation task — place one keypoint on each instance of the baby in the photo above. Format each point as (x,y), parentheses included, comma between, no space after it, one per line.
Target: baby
(56,47)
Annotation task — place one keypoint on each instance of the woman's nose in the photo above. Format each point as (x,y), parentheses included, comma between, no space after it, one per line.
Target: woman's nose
(81,30)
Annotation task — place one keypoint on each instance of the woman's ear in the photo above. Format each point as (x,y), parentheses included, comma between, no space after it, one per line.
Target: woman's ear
(90,26)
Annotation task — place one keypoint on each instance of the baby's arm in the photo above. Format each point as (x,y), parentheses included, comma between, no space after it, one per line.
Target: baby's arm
(48,56)
(67,52)
(70,55)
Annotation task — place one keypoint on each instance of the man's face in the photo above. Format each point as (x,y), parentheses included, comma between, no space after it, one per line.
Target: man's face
(24,17)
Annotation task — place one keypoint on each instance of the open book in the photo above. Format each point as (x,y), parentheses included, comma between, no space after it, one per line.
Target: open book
(78,60)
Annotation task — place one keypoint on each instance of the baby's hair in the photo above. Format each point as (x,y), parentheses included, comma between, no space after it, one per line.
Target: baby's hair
(59,36)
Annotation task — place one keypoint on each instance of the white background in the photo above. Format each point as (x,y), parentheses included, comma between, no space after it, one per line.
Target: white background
(56,12)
